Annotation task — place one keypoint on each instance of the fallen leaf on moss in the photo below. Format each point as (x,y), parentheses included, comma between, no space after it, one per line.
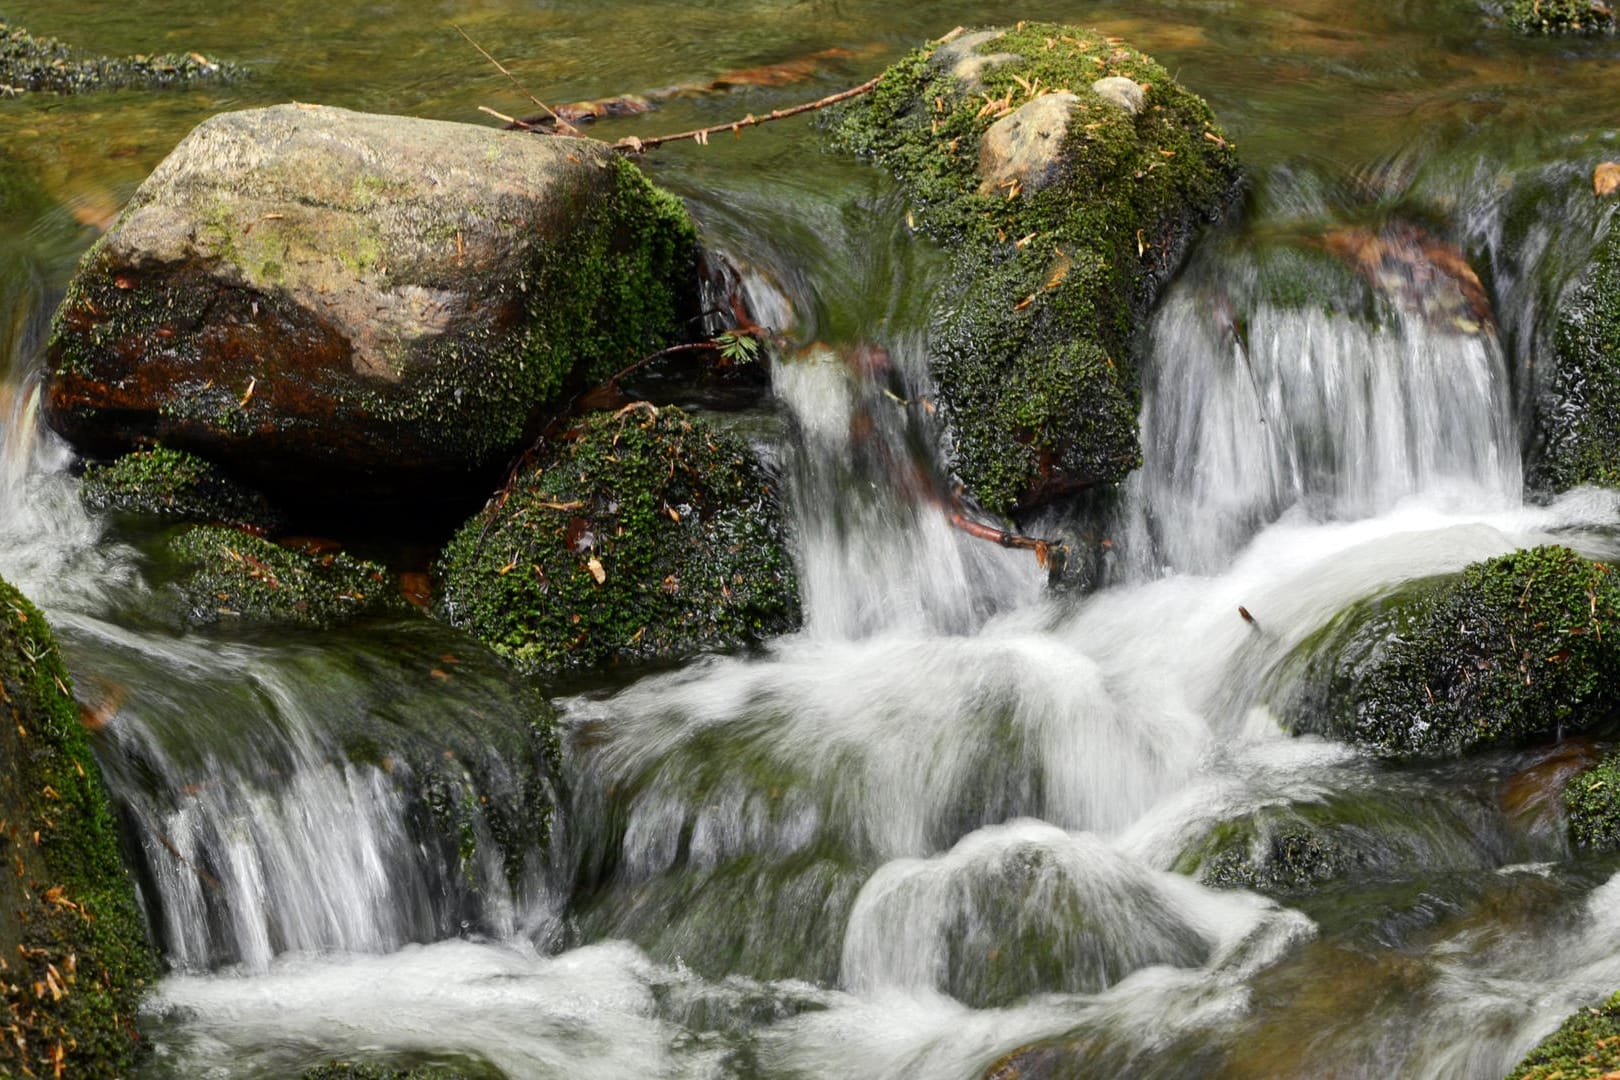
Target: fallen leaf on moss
(594,565)
(1606,178)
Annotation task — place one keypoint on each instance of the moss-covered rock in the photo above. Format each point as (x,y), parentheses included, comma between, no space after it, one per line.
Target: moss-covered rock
(349,1070)
(638,535)
(1580,414)
(230,576)
(1065,173)
(1513,649)
(1561,16)
(354,308)
(73,955)
(1592,801)
(173,484)
(31,63)
(1586,1047)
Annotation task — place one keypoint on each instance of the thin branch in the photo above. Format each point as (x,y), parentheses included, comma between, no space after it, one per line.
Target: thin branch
(630,144)
(561,123)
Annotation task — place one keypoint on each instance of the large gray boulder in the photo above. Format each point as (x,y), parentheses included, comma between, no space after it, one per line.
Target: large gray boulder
(329,302)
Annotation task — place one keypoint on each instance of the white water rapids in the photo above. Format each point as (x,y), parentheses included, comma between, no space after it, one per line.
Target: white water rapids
(941,822)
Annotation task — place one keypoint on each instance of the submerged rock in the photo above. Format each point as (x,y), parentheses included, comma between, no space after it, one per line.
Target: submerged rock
(1513,649)
(76,959)
(1066,174)
(349,1070)
(175,485)
(230,576)
(1580,413)
(31,63)
(340,306)
(1585,1047)
(642,534)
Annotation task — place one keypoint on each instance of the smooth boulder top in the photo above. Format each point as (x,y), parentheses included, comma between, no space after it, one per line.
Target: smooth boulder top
(324,300)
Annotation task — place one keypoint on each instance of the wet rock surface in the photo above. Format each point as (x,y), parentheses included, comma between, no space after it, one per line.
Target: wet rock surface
(342,306)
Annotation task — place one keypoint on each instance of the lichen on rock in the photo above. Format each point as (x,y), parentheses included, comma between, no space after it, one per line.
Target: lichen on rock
(233,577)
(644,534)
(73,955)
(1065,200)
(1513,649)
(174,485)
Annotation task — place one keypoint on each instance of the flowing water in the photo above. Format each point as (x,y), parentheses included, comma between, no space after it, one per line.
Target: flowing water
(957,813)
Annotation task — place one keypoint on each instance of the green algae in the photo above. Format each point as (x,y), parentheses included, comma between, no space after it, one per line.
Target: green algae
(1513,649)
(174,485)
(232,576)
(29,63)
(74,961)
(1032,348)
(1585,1047)
(640,535)
(1581,427)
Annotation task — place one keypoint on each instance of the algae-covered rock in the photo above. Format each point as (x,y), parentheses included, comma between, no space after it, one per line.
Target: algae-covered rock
(32,63)
(1592,801)
(75,959)
(1585,1047)
(356,308)
(1561,16)
(1513,649)
(637,535)
(230,576)
(175,485)
(1580,414)
(1065,173)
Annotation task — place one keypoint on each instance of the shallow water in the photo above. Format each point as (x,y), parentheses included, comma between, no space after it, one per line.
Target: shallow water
(951,816)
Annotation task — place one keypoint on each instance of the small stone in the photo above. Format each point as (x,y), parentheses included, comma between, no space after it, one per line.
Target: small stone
(1024,147)
(1118,90)
(961,58)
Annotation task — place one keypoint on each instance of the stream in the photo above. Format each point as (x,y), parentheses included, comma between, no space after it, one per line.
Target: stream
(957,813)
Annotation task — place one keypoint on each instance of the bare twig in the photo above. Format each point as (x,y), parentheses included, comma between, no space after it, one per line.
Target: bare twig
(631,144)
(561,123)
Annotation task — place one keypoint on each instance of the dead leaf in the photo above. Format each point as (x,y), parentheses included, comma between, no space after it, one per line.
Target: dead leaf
(594,565)
(1606,178)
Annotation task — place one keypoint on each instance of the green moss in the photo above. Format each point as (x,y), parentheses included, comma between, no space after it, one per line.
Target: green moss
(30,63)
(1514,648)
(1032,344)
(1581,419)
(673,516)
(233,576)
(1586,1047)
(73,956)
(1561,16)
(174,484)
(1277,861)
(1592,800)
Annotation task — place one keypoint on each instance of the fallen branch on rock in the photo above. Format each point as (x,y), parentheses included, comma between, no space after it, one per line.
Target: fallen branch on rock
(631,144)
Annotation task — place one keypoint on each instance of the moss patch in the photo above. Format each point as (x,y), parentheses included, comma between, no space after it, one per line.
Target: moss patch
(233,576)
(1512,649)
(1592,800)
(1581,417)
(638,535)
(1586,1047)
(73,956)
(1561,16)
(1031,347)
(348,1070)
(30,63)
(174,484)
